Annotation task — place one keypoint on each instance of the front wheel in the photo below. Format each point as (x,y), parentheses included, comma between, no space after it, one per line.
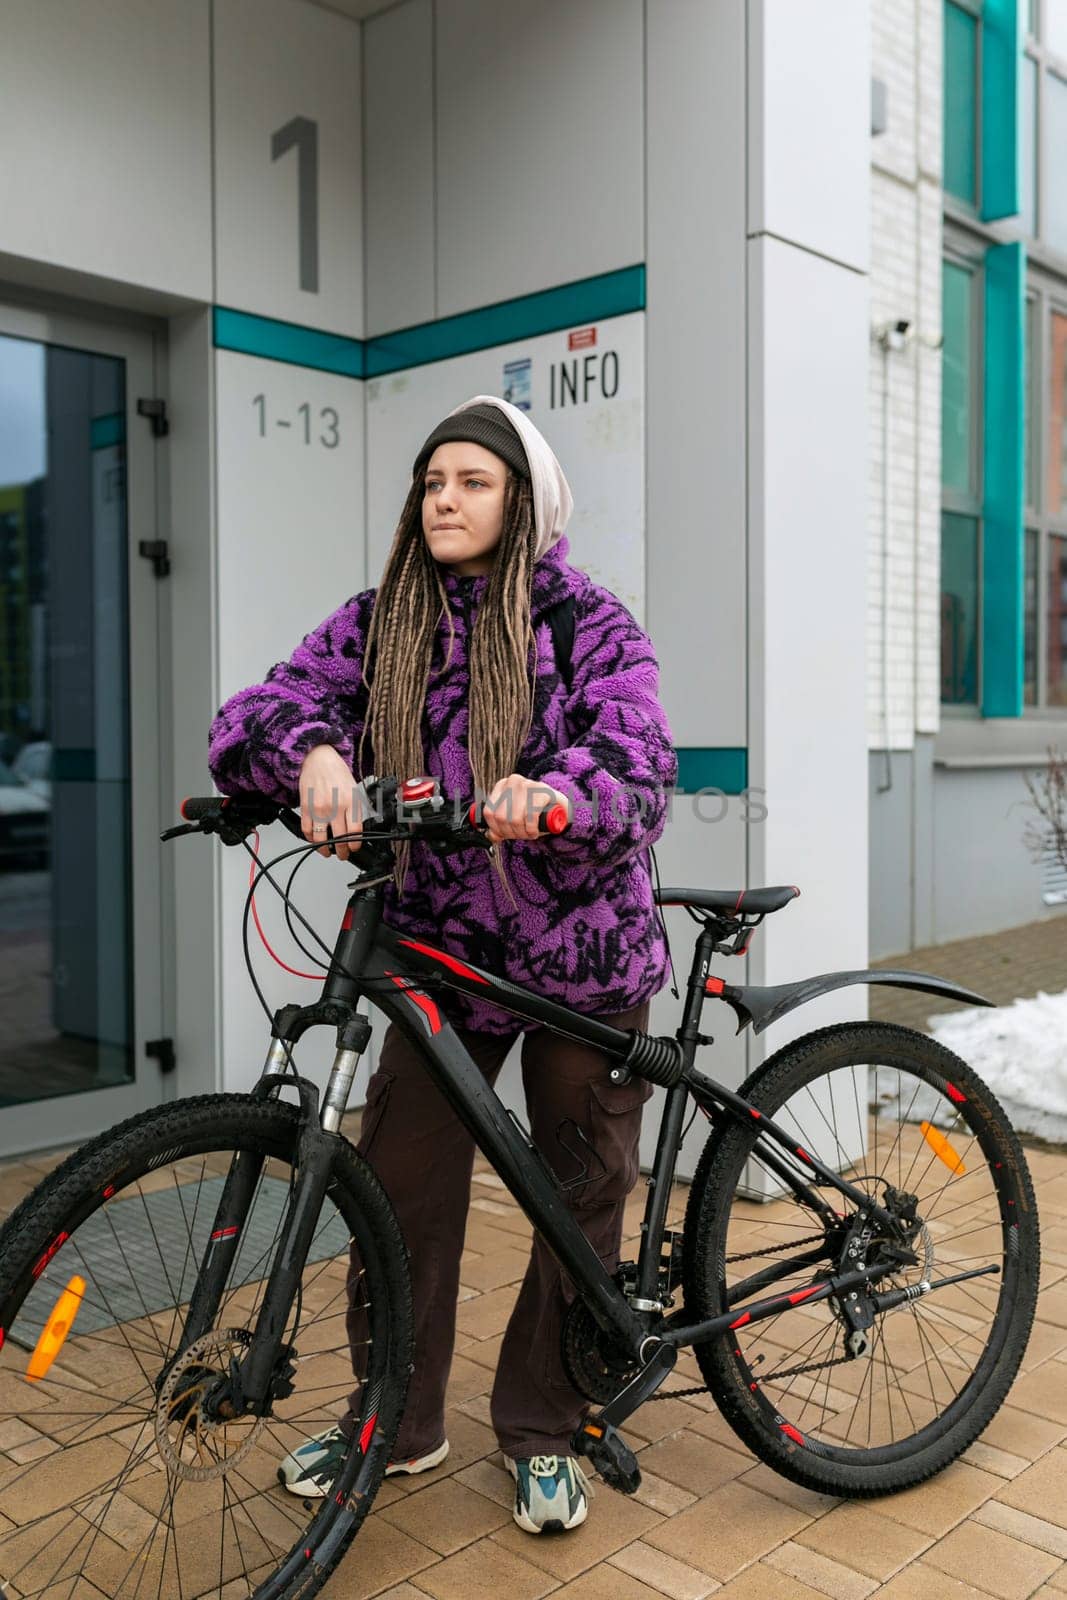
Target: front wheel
(115,1476)
(910,1124)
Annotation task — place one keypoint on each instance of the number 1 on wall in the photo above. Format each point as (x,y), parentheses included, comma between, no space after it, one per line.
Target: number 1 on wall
(303,133)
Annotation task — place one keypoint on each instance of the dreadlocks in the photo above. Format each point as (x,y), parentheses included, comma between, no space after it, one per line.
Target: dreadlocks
(410,601)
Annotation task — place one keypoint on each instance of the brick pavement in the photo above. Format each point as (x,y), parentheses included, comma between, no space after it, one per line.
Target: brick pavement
(708,1518)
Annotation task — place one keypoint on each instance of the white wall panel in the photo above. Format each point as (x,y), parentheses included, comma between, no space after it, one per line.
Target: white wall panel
(807,414)
(276,61)
(539,145)
(696,365)
(106,144)
(809,124)
(599,441)
(399,167)
(290,550)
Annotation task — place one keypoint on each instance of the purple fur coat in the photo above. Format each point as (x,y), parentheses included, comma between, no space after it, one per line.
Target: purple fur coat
(586,931)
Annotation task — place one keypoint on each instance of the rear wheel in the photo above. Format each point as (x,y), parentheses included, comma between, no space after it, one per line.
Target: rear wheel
(911,1125)
(115,1479)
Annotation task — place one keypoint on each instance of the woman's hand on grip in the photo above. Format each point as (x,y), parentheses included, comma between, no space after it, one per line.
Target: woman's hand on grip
(329,799)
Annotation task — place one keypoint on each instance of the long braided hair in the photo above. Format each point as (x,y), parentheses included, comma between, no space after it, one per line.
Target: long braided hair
(409,603)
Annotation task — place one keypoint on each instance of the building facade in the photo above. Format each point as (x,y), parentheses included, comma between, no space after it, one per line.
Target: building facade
(968,455)
(250,252)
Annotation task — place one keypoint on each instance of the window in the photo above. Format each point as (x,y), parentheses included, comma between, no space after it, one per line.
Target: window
(960,518)
(957,378)
(1043,125)
(961,102)
(1045,615)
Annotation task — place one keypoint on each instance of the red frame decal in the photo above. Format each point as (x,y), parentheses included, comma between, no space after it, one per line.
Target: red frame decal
(445,959)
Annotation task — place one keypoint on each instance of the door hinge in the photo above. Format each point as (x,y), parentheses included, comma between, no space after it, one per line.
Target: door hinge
(162,1050)
(157,411)
(155,550)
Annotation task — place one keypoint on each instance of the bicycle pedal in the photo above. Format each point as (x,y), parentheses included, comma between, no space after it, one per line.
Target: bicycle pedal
(611,1456)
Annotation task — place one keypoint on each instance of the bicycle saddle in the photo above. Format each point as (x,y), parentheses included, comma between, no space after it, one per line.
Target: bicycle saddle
(730,901)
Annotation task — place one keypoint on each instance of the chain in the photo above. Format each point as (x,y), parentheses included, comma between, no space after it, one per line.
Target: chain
(783,1372)
(776,1249)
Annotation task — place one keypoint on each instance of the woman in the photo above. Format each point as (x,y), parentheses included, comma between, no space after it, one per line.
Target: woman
(448,669)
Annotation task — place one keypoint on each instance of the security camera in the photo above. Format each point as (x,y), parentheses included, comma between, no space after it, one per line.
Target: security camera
(895,335)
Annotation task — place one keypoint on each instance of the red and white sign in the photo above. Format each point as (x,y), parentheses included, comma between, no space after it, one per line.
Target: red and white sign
(581,338)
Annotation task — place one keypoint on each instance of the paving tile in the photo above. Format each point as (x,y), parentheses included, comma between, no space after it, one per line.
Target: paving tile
(760,1582)
(491,1480)
(1002,1566)
(667,1498)
(767,1481)
(937,1505)
(1057,1584)
(1041,1490)
(1001,1462)
(820,1572)
(487,1313)
(483,1569)
(498,1267)
(692,1462)
(920,1582)
(1023,1434)
(662,1572)
(1024,1527)
(468,1441)
(727,1529)
(614,1520)
(446,1516)
(1034,1392)
(870,1542)
(658,1419)
(466,1379)
(607,1583)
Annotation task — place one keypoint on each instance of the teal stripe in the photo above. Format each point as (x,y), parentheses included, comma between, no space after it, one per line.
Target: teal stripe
(106,431)
(288,342)
(707,768)
(1001,65)
(1002,527)
(612,294)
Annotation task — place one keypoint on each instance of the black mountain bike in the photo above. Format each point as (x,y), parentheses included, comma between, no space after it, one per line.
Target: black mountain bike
(853,1285)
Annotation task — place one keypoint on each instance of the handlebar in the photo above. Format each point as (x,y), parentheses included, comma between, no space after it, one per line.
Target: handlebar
(396,811)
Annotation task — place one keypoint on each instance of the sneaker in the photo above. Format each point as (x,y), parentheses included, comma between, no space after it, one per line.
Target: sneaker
(310,1469)
(550,1493)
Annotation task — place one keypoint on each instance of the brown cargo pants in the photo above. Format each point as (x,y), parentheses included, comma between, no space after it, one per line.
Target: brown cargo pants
(424,1158)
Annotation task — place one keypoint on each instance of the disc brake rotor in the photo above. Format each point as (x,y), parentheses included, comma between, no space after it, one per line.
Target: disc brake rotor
(194,1446)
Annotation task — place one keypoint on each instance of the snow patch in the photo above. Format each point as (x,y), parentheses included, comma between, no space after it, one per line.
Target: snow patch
(1021,1052)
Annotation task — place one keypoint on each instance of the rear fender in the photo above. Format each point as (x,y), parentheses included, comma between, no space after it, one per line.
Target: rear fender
(761,1006)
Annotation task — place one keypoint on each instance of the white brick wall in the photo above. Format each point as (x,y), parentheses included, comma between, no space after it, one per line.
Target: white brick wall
(905,284)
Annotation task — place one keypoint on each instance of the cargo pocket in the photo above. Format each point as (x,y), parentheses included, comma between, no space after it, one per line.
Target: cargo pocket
(614,1133)
(377,1099)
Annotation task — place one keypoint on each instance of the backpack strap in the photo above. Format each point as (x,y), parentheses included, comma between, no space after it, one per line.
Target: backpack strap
(560,618)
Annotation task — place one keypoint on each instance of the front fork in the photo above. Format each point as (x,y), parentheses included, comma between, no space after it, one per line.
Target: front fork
(250,1385)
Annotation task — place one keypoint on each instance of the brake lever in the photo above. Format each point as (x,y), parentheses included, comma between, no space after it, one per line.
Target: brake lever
(174,833)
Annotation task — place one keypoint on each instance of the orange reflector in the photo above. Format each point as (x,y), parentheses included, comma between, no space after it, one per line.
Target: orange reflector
(941,1147)
(56,1329)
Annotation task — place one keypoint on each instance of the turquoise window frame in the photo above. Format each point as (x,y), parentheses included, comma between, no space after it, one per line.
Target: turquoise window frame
(1001,57)
(1004,480)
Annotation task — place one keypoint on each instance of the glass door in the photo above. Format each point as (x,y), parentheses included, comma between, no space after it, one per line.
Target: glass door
(80,935)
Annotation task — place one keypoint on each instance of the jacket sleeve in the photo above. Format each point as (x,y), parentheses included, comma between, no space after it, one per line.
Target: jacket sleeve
(258,739)
(620,769)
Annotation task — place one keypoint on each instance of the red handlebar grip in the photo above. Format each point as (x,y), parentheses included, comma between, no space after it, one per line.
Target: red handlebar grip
(554,820)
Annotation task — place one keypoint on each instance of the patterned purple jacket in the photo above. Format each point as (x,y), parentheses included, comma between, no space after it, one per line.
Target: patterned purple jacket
(586,931)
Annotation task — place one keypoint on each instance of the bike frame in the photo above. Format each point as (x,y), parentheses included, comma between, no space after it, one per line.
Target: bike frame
(374,961)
